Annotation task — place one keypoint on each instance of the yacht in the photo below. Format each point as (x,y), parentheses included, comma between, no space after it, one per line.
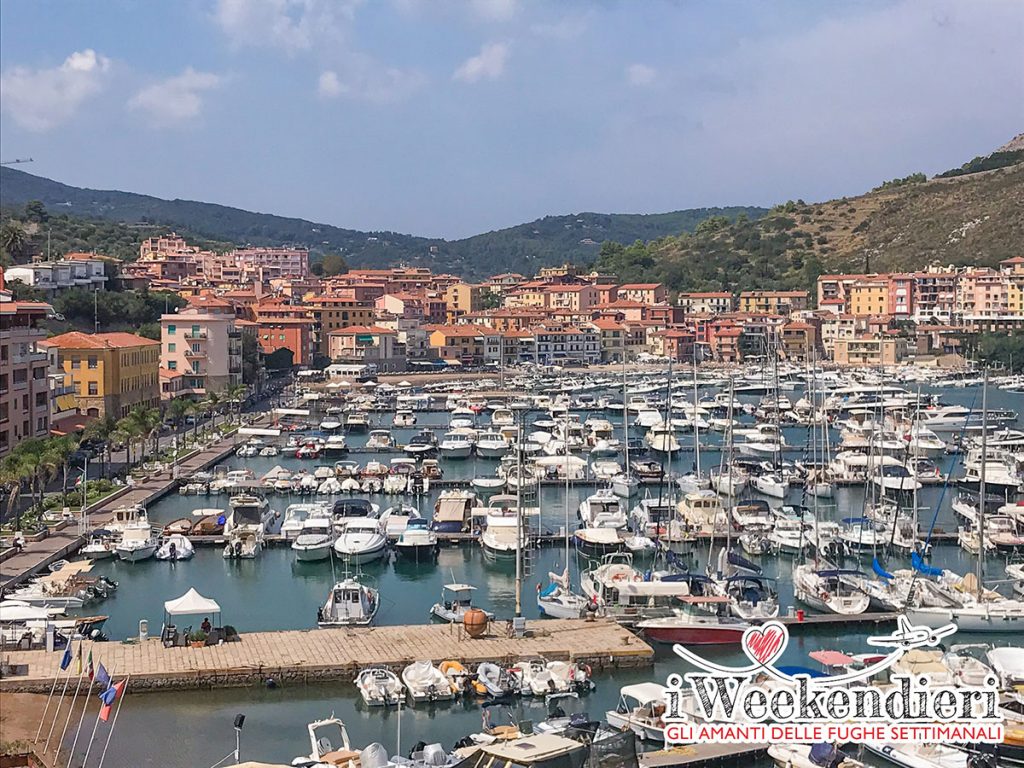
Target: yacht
(422,444)
(295,516)
(770,484)
(349,604)
(334,446)
(502,417)
(492,445)
(453,511)
(357,421)
(362,540)
(499,537)
(895,478)
(417,543)
(380,440)
(404,418)
(602,509)
(314,540)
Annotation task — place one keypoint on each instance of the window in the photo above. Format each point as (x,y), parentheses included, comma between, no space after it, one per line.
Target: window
(172,347)
(172,365)
(171,329)
(76,362)
(93,362)
(93,389)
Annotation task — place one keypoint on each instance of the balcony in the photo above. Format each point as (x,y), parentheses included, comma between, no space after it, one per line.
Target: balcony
(192,354)
(195,334)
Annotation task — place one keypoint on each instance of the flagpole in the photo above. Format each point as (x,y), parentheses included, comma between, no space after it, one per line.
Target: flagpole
(63,690)
(113,724)
(74,701)
(92,738)
(47,707)
(81,719)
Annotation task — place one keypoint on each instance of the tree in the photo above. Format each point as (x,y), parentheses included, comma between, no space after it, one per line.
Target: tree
(235,396)
(36,212)
(14,240)
(250,359)
(334,264)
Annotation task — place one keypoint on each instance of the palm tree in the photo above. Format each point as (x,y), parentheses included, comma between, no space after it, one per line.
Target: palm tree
(13,239)
(101,430)
(236,395)
(211,404)
(177,410)
(14,471)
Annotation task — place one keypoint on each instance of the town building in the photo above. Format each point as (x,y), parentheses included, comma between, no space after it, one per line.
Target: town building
(202,346)
(870,350)
(773,302)
(708,302)
(53,277)
(367,344)
(112,373)
(25,397)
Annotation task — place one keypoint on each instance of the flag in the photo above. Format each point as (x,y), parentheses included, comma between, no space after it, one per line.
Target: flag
(92,672)
(78,659)
(102,678)
(108,697)
(65,660)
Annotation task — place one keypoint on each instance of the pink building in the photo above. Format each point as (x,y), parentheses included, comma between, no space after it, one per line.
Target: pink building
(204,347)
(24,383)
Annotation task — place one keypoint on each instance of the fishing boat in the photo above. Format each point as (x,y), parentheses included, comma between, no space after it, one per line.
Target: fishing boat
(456,600)
(417,543)
(379,687)
(425,682)
(314,540)
(175,547)
(138,542)
(349,604)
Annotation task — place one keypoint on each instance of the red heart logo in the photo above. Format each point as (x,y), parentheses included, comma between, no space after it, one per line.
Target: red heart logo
(766,643)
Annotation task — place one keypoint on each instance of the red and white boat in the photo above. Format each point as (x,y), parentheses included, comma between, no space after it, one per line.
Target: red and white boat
(705,622)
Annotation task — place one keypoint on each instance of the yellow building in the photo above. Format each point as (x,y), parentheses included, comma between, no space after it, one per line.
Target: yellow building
(111,372)
(333,313)
(463,298)
(772,302)
(869,297)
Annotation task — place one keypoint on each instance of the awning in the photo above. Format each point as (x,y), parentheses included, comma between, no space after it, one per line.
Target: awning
(453,362)
(66,403)
(191,603)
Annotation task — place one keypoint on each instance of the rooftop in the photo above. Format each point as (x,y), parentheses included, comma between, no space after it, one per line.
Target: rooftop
(114,340)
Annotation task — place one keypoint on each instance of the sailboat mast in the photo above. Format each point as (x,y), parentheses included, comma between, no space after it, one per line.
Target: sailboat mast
(981,484)
(696,424)
(625,410)
(519,516)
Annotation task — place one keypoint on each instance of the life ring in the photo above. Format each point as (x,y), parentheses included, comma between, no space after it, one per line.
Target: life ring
(825,596)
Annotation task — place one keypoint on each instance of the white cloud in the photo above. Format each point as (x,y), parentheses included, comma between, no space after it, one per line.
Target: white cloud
(177,99)
(488,64)
(329,85)
(495,10)
(291,25)
(40,99)
(640,74)
(564,29)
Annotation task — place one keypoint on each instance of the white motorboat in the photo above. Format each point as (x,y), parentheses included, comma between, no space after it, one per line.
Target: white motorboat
(404,418)
(453,511)
(502,530)
(602,509)
(455,445)
(330,424)
(138,542)
(920,755)
(488,484)
(356,421)
(895,478)
(456,599)
(552,678)
(379,687)
(323,750)
(770,484)
(175,547)
(362,540)
(379,440)
(295,516)
(417,543)
(1000,615)
(640,710)
(491,445)
(99,547)
(314,541)
(605,471)
(425,682)
(349,604)
(625,485)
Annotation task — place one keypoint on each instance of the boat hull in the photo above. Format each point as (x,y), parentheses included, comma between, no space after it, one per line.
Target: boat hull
(416,553)
(136,554)
(695,635)
(313,554)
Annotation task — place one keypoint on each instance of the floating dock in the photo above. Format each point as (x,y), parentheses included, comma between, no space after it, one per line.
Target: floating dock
(322,655)
(703,755)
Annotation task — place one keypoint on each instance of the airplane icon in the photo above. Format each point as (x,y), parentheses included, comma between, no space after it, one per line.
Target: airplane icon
(910,636)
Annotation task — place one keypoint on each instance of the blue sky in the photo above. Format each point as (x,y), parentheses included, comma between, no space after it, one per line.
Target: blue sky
(452,117)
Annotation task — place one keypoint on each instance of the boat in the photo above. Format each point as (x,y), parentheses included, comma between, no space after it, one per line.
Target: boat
(557,600)
(323,751)
(330,424)
(697,625)
(455,445)
(357,422)
(640,709)
(361,540)
(488,484)
(895,478)
(503,534)
(425,682)
(453,512)
(295,516)
(770,484)
(826,590)
(349,604)
(314,540)
(99,547)
(175,547)
(491,680)
(598,542)
(502,417)
(811,756)
(417,543)
(456,600)
(421,444)
(491,445)
(379,687)
(729,481)
(138,542)
(602,509)
(404,418)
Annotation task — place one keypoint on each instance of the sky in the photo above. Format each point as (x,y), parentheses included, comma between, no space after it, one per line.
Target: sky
(452,117)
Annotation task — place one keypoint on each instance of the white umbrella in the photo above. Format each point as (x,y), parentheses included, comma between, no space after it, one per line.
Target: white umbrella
(370,384)
(344,384)
(404,383)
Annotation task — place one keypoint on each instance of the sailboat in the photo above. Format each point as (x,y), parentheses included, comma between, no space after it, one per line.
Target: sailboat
(557,599)
(982,612)
(694,481)
(627,483)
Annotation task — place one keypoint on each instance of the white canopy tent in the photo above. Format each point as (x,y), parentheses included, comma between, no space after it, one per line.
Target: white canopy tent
(192,604)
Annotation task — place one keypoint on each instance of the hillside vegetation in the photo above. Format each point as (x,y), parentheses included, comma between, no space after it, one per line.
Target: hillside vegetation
(906,224)
(526,247)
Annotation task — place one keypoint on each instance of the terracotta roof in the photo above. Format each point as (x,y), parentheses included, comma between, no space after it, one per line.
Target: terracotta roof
(209,301)
(79,340)
(354,330)
(706,295)
(639,286)
(622,304)
(607,324)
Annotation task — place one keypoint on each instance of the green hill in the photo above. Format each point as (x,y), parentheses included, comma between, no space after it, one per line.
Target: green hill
(524,248)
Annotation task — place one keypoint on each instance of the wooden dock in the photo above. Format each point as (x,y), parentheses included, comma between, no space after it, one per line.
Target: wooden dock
(315,655)
(835,619)
(701,755)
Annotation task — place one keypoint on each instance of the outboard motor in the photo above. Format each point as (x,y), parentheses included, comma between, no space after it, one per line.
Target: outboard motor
(174,551)
(982,761)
